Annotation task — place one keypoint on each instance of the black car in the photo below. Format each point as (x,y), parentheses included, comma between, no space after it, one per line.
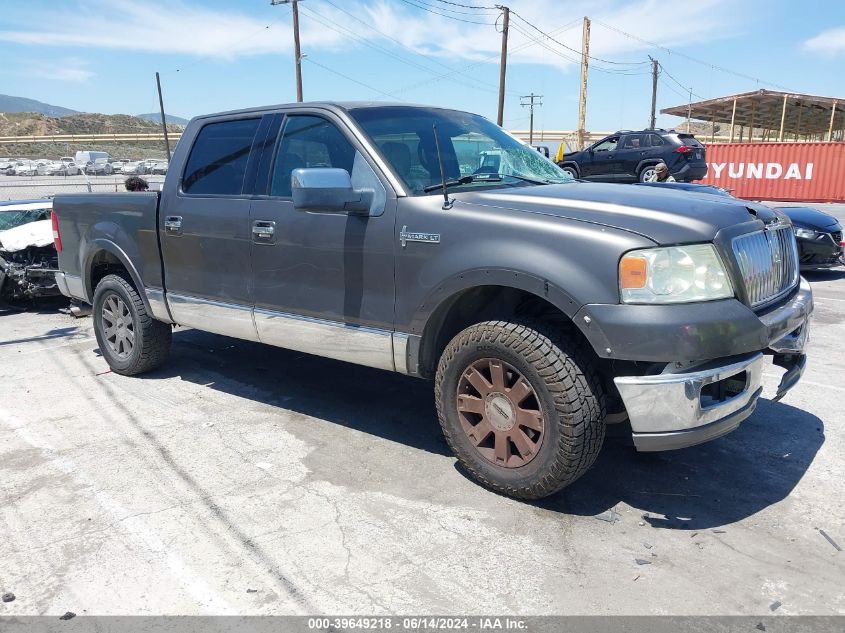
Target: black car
(819,235)
(628,156)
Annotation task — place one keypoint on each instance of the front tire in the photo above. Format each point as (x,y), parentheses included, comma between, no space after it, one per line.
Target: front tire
(131,341)
(646,173)
(521,406)
(571,171)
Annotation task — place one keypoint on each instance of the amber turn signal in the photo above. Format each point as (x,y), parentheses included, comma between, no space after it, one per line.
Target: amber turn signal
(632,272)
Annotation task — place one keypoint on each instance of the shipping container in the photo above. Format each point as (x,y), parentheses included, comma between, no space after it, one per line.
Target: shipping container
(793,172)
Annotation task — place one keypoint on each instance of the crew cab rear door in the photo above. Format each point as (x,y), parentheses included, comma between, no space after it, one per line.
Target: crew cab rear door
(323,282)
(205,230)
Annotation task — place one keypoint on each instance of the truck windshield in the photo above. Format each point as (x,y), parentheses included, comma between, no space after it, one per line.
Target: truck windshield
(475,152)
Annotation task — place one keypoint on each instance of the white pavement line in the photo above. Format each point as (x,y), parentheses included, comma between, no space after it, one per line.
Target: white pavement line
(196,586)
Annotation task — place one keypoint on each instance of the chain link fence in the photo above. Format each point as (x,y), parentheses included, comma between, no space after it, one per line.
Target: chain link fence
(36,187)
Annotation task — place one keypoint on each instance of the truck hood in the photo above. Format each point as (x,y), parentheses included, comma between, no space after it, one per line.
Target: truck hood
(664,216)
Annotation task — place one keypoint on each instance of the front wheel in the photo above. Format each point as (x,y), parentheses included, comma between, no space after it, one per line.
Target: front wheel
(571,171)
(521,406)
(647,173)
(131,341)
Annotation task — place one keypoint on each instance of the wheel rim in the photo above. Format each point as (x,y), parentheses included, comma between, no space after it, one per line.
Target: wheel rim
(500,413)
(648,173)
(118,326)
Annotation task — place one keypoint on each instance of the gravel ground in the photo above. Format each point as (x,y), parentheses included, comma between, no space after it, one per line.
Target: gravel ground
(252,480)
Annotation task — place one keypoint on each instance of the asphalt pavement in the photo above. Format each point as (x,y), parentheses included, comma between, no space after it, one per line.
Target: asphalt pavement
(252,480)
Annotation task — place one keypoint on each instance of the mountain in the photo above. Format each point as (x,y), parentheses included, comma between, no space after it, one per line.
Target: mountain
(22,104)
(34,124)
(155,117)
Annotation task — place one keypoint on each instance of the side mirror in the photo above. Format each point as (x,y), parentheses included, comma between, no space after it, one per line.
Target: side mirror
(328,189)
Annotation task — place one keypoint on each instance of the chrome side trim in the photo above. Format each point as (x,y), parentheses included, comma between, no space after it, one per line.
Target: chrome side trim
(213,316)
(155,296)
(400,352)
(331,339)
(672,401)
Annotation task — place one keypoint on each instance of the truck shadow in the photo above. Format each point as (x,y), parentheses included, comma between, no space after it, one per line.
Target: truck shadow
(824,275)
(706,486)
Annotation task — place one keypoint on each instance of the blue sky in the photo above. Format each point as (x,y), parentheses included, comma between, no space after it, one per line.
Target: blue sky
(217,55)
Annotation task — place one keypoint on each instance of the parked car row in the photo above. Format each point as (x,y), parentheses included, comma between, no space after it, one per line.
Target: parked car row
(69,166)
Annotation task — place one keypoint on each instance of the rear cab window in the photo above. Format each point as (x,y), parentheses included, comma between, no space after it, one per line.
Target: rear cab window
(218,160)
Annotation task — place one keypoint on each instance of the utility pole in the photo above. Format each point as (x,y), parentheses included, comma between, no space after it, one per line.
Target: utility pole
(163,119)
(530,103)
(582,102)
(503,62)
(655,69)
(296,52)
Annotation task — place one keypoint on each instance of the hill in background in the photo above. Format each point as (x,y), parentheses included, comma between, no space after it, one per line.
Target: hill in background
(34,124)
(155,117)
(22,104)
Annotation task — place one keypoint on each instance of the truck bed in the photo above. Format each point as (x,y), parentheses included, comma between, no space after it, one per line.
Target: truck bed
(124,225)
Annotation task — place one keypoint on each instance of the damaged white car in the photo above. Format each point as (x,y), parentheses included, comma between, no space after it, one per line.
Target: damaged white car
(28,259)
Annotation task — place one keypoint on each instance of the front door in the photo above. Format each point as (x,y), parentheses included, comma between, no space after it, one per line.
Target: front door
(205,232)
(322,282)
(603,163)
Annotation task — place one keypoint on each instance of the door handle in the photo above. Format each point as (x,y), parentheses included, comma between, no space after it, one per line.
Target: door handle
(173,224)
(263,231)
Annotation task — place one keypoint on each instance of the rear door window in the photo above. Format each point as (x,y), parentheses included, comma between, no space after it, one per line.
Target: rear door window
(633,141)
(656,141)
(218,160)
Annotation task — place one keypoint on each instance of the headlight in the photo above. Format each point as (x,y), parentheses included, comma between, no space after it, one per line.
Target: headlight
(807,234)
(675,274)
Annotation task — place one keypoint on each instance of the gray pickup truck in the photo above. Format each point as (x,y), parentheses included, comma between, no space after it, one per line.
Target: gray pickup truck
(430,242)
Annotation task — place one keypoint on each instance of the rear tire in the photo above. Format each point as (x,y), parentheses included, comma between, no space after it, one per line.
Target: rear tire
(131,341)
(646,173)
(536,422)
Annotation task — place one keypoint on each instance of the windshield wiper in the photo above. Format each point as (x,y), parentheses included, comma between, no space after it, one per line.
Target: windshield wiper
(463,180)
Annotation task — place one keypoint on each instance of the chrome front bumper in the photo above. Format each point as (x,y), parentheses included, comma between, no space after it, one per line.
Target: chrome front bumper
(690,405)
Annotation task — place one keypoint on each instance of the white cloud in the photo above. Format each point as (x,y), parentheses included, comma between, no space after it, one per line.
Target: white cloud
(829,42)
(168,28)
(61,69)
(182,27)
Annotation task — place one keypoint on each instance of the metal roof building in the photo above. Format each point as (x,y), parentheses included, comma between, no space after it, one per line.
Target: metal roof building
(769,115)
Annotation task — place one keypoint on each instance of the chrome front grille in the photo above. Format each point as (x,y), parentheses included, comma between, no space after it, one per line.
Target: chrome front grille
(768,261)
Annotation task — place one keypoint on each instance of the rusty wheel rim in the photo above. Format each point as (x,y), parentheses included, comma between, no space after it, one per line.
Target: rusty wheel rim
(500,413)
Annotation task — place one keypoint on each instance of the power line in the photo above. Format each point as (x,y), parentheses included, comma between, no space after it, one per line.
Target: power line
(569,48)
(445,15)
(347,77)
(464,6)
(687,89)
(622,71)
(486,60)
(693,59)
(408,48)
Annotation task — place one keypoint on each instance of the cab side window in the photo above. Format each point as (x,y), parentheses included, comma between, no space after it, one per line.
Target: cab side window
(633,141)
(218,159)
(308,141)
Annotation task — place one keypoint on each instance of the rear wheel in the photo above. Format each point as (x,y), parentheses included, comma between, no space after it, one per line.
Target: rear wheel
(571,171)
(521,407)
(131,341)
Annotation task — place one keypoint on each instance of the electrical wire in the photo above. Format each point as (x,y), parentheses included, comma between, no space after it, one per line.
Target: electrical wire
(692,59)
(479,11)
(348,78)
(464,6)
(445,15)
(687,89)
(338,28)
(559,43)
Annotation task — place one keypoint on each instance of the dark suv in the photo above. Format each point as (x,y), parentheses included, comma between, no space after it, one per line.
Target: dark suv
(628,156)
